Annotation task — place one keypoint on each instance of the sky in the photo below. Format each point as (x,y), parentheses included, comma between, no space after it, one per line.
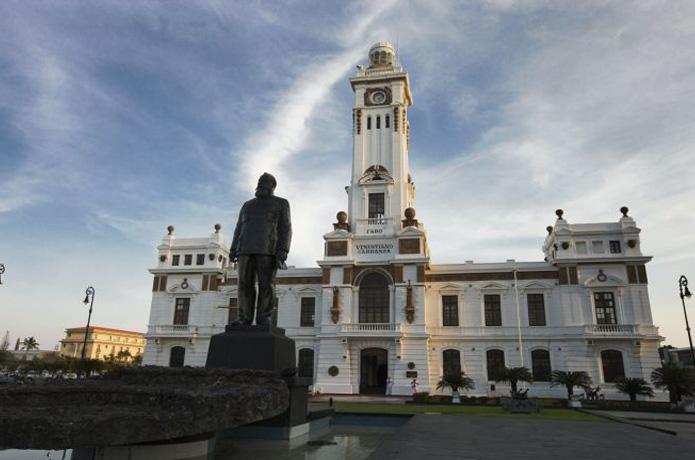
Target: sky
(120,118)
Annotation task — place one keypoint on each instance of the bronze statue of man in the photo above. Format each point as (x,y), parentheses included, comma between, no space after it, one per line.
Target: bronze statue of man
(260,246)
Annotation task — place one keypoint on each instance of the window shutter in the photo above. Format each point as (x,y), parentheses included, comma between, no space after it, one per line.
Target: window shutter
(573,275)
(205,283)
(642,273)
(563,275)
(155,283)
(213,282)
(163,283)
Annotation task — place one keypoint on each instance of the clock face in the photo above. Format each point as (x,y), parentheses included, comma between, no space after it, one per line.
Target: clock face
(378,97)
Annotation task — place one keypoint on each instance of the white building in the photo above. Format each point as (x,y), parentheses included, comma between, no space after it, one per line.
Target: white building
(377,306)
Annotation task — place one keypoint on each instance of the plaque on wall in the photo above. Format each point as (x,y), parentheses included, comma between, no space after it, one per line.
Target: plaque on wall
(336,248)
(409,246)
(411,374)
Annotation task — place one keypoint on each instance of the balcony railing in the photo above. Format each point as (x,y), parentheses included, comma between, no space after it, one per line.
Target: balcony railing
(588,330)
(182,330)
(370,328)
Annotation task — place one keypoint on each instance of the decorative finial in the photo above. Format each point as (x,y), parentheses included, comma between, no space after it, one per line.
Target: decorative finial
(559,213)
(342,221)
(549,229)
(410,220)
(170,229)
(624,210)
(218,227)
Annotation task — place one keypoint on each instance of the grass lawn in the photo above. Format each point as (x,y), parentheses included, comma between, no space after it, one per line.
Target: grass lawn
(369,408)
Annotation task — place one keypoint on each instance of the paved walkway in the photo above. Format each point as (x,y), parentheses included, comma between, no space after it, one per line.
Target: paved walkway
(680,423)
(481,438)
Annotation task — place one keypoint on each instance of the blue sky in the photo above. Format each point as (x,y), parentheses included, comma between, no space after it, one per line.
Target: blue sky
(120,118)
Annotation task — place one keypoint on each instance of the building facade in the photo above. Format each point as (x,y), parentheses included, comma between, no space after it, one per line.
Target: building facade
(102,343)
(377,307)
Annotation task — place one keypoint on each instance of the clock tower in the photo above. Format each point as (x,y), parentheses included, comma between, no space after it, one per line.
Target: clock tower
(380,225)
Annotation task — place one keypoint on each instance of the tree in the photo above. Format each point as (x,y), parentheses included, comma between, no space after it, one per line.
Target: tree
(5,344)
(634,387)
(570,380)
(456,382)
(514,375)
(123,356)
(28,344)
(677,380)
(137,360)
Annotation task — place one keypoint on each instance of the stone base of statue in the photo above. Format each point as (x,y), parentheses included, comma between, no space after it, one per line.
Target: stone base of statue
(264,348)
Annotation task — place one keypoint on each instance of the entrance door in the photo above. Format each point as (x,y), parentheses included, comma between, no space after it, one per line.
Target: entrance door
(177,356)
(373,370)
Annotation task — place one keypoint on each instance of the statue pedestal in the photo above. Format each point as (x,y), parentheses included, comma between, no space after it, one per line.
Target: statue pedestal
(266,348)
(252,347)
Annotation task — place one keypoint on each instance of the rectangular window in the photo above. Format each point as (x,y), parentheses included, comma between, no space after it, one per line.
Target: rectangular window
(597,247)
(631,274)
(604,302)
(573,275)
(233,314)
(160,283)
(376,205)
(536,309)
(175,260)
(378,122)
(387,121)
(188,259)
(450,310)
(181,311)
(308,307)
(581,247)
(614,247)
(493,310)
(369,122)
(200,259)
(642,274)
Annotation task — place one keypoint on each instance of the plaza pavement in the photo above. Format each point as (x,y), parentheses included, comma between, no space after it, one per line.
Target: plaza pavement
(470,437)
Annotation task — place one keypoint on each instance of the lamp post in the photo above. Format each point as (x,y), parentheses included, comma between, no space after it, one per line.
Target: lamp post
(88,299)
(685,292)
(2,270)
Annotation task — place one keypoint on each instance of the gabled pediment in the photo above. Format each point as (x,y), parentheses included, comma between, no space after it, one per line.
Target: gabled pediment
(604,280)
(451,287)
(338,234)
(493,285)
(534,285)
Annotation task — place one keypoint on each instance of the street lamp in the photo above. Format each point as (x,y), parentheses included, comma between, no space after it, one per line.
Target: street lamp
(2,270)
(88,299)
(685,292)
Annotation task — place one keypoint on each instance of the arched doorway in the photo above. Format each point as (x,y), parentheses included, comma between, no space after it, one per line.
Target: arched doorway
(373,370)
(177,356)
(374,299)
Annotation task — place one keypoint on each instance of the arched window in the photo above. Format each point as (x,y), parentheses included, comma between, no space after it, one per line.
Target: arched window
(378,122)
(452,362)
(612,364)
(387,121)
(306,363)
(177,356)
(369,122)
(540,365)
(374,299)
(495,363)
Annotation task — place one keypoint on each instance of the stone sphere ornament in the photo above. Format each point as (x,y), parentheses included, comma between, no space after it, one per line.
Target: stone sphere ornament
(218,227)
(409,213)
(170,229)
(341,217)
(333,371)
(559,213)
(549,229)
(624,210)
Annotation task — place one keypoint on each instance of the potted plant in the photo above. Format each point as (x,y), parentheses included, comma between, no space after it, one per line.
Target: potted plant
(570,380)
(634,387)
(677,380)
(456,382)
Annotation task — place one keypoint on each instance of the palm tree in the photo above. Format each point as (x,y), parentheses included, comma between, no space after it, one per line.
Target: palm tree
(514,375)
(456,382)
(678,380)
(570,380)
(28,344)
(634,387)
(123,355)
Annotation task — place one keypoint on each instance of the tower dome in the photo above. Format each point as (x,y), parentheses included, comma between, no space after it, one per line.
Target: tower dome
(381,55)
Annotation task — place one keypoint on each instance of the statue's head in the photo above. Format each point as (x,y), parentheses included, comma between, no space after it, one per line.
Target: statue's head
(266,185)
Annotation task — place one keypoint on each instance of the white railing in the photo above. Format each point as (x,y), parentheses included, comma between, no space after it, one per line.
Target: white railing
(613,329)
(369,327)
